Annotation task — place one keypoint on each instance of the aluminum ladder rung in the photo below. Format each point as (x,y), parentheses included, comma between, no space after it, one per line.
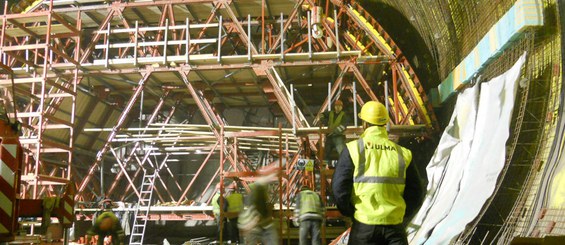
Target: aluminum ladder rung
(142,209)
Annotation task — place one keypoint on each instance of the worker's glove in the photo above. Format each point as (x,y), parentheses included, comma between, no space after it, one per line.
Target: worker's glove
(295,222)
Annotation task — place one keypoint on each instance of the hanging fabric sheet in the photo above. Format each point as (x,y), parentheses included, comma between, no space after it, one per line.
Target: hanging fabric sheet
(464,170)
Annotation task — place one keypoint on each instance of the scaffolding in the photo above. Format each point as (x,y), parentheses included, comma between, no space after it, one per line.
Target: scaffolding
(105,90)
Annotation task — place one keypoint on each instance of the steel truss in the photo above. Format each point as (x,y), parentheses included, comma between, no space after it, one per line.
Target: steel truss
(164,64)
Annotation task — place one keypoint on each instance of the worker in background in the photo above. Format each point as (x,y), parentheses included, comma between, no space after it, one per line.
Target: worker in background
(336,121)
(235,206)
(375,184)
(256,221)
(220,221)
(309,214)
(106,224)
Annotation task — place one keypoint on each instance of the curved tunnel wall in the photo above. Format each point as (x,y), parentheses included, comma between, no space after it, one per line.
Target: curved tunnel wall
(449,30)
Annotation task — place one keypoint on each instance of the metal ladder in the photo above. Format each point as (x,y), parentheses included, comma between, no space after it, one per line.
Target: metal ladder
(142,208)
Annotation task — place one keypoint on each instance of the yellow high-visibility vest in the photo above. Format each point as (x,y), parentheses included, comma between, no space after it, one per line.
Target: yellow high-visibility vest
(235,202)
(216,205)
(309,202)
(335,121)
(379,177)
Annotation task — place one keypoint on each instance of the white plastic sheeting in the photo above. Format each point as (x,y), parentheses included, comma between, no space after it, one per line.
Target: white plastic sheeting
(464,170)
(557,191)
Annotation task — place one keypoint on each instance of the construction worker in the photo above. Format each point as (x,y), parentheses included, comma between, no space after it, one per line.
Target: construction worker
(256,221)
(309,214)
(374,182)
(217,201)
(106,224)
(235,206)
(336,121)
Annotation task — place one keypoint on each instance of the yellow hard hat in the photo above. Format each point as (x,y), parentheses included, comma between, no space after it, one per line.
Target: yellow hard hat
(375,113)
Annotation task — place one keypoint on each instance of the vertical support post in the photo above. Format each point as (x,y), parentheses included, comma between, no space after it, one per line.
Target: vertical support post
(323,179)
(279,177)
(222,157)
(387,104)
(292,106)
(395,94)
(220,40)
(309,35)
(50,54)
(187,41)
(107,56)
(355,103)
(136,43)
(287,189)
(329,96)
(249,36)
(337,48)
(235,143)
(141,112)
(165,42)
(27,55)
(102,192)
(263,27)
(3,34)
(282,38)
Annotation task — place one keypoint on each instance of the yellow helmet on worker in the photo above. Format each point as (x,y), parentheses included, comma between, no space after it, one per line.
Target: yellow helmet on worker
(374,113)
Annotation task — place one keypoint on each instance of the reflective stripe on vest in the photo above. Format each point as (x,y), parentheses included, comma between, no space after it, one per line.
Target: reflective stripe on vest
(361,178)
(309,202)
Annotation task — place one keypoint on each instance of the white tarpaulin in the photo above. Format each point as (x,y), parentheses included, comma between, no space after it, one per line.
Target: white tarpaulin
(446,165)
(464,170)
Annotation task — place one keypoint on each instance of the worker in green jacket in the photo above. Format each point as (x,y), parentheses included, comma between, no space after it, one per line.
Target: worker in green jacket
(336,120)
(106,224)
(375,184)
(309,214)
(256,221)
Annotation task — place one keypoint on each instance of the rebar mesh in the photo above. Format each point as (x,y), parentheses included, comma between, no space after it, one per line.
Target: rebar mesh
(451,28)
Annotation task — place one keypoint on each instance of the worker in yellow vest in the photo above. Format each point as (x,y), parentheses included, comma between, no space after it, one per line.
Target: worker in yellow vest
(309,214)
(336,121)
(235,206)
(374,182)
